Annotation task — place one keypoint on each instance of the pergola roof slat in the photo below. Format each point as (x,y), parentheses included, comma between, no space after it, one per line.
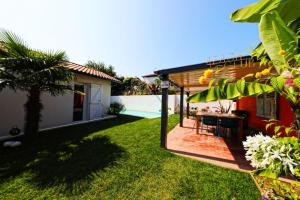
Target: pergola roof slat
(188,76)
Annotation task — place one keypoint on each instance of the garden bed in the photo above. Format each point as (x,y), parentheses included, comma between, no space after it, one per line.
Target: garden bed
(281,188)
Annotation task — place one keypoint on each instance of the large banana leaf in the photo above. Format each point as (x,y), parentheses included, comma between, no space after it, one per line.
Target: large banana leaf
(231,91)
(295,25)
(287,9)
(259,51)
(276,35)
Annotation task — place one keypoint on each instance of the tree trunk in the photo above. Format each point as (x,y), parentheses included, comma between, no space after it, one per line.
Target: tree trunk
(297,120)
(33,109)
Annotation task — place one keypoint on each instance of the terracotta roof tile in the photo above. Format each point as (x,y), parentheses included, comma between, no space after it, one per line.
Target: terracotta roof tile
(80,68)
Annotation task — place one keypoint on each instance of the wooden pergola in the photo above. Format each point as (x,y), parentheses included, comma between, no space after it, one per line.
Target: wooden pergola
(186,78)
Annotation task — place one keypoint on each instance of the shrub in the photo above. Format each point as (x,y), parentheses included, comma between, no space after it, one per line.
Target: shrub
(115,108)
(273,157)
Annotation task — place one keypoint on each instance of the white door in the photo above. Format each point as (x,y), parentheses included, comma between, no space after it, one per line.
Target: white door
(95,102)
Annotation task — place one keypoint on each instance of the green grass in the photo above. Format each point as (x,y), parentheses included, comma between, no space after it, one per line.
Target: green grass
(113,159)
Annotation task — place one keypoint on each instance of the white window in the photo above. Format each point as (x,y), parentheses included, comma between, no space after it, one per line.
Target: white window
(266,105)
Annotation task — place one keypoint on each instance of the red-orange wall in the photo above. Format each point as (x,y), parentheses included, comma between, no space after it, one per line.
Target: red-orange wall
(285,113)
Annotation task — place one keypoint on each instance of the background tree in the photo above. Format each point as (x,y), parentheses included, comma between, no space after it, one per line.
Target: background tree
(128,85)
(116,88)
(154,87)
(32,71)
(135,86)
(110,70)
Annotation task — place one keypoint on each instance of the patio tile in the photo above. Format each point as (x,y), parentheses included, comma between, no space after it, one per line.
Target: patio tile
(207,147)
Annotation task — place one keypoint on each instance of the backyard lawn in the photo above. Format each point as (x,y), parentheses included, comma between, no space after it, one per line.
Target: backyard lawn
(113,159)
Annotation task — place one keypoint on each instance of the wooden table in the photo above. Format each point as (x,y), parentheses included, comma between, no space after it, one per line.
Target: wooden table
(199,114)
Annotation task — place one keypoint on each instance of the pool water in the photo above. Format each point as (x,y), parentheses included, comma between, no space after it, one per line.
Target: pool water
(143,114)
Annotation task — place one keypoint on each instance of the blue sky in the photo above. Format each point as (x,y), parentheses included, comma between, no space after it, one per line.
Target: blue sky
(135,36)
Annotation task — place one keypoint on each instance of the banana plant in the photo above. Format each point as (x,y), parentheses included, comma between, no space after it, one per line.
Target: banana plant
(230,90)
(288,10)
(279,23)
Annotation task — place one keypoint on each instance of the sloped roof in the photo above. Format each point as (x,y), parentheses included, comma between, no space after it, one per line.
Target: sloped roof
(89,71)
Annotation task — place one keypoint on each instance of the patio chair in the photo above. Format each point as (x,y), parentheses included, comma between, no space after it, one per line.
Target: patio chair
(209,121)
(229,124)
(244,114)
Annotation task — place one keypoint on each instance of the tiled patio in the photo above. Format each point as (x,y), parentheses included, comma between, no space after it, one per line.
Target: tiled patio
(206,147)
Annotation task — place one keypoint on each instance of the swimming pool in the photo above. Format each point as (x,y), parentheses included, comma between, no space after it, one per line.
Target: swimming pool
(143,114)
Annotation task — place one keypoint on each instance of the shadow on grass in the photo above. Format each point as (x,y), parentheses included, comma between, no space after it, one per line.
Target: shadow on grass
(64,157)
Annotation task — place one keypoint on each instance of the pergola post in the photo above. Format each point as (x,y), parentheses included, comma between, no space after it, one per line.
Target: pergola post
(181,106)
(187,106)
(164,110)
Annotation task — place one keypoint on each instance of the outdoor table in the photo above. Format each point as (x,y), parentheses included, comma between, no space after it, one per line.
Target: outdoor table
(220,116)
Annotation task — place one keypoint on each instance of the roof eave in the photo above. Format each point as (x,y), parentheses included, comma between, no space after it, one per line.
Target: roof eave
(228,61)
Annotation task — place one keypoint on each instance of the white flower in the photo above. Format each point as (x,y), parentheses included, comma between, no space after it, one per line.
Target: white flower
(264,151)
(287,74)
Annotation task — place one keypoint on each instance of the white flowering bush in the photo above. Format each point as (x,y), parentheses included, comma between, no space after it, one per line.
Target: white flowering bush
(273,157)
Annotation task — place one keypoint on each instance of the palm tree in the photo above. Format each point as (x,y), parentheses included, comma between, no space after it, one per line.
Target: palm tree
(25,69)
(154,87)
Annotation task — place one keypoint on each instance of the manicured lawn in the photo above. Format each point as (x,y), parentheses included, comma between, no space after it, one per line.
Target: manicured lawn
(113,159)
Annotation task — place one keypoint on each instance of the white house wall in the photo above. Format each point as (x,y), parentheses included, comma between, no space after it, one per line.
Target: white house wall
(148,103)
(11,110)
(152,103)
(56,110)
(105,85)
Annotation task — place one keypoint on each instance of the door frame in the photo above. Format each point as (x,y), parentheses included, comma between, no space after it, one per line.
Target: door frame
(86,100)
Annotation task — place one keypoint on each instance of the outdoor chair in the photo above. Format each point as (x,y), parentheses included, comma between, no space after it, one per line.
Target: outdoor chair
(229,124)
(244,114)
(209,121)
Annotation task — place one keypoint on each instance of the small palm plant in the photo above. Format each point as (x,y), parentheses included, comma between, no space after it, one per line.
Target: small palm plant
(223,109)
(154,87)
(35,72)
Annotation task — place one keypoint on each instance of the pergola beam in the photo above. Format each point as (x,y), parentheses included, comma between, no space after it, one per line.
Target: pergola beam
(164,112)
(181,106)
(187,106)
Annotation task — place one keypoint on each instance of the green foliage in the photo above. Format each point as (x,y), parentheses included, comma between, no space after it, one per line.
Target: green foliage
(136,86)
(285,190)
(279,130)
(102,67)
(278,189)
(279,27)
(229,90)
(288,9)
(273,157)
(276,36)
(154,88)
(24,68)
(253,12)
(115,108)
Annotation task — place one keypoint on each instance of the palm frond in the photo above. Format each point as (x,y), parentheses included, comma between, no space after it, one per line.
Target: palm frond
(13,44)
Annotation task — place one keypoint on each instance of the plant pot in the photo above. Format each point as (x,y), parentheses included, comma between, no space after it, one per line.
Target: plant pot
(281,188)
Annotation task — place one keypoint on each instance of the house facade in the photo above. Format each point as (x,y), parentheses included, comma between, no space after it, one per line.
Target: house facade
(283,112)
(91,102)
